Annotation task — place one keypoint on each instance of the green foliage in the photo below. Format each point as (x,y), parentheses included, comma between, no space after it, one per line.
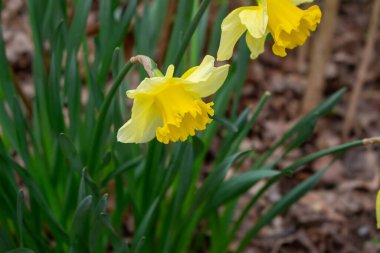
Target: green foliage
(65,159)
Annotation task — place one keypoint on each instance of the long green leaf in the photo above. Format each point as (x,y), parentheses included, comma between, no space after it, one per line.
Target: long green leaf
(78,24)
(20,203)
(281,206)
(21,250)
(216,177)
(236,186)
(303,126)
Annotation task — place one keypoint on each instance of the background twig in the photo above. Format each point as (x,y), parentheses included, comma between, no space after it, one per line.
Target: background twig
(363,68)
(320,54)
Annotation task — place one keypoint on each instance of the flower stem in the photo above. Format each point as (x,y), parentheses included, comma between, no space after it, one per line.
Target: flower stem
(190,31)
(92,159)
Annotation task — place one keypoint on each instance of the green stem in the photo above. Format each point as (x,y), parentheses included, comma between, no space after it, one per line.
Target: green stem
(190,31)
(322,153)
(286,171)
(102,115)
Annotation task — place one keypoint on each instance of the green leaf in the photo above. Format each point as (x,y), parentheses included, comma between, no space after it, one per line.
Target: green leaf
(94,148)
(105,18)
(235,81)
(79,227)
(245,128)
(216,31)
(20,203)
(70,152)
(115,39)
(303,128)
(72,156)
(281,206)
(81,214)
(314,156)
(189,32)
(73,86)
(6,88)
(82,187)
(97,224)
(181,21)
(128,165)
(231,135)
(21,250)
(177,205)
(37,196)
(230,126)
(216,177)
(236,186)
(144,226)
(78,24)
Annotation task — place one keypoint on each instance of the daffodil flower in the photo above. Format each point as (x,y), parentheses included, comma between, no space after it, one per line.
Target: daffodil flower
(289,25)
(170,108)
(378,210)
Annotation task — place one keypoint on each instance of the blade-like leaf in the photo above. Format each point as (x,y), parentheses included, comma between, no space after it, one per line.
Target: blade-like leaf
(281,206)
(21,250)
(236,186)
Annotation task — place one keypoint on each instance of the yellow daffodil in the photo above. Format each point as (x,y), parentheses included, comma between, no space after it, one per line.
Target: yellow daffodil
(289,25)
(171,108)
(378,210)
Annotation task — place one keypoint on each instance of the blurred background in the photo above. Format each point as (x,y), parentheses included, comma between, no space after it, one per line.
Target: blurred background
(338,215)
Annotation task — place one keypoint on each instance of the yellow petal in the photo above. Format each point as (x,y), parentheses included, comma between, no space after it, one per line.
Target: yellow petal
(378,210)
(232,29)
(201,72)
(147,86)
(144,121)
(152,85)
(279,50)
(169,71)
(298,2)
(255,45)
(255,20)
(205,79)
(289,25)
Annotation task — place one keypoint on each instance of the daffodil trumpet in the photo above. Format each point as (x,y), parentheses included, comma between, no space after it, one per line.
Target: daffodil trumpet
(171,108)
(289,25)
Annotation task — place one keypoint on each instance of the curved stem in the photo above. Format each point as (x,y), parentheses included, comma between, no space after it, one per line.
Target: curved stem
(190,31)
(102,115)
(286,171)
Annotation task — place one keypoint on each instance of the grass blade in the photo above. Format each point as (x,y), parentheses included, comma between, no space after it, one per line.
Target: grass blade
(236,186)
(20,203)
(190,31)
(21,250)
(281,206)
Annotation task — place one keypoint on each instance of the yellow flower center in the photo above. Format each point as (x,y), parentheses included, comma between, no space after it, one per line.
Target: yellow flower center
(290,25)
(182,112)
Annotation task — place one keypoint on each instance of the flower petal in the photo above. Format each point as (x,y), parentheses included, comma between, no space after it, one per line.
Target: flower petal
(144,121)
(255,45)
(152,84)
(147,86)
(205,79)
(298,2)
(256,21)
(279,50)
(232,29)
(170,71)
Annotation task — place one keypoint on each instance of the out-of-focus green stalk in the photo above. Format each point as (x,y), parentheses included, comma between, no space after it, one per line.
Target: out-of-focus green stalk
(92,159)
(289,170)
(189,32)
